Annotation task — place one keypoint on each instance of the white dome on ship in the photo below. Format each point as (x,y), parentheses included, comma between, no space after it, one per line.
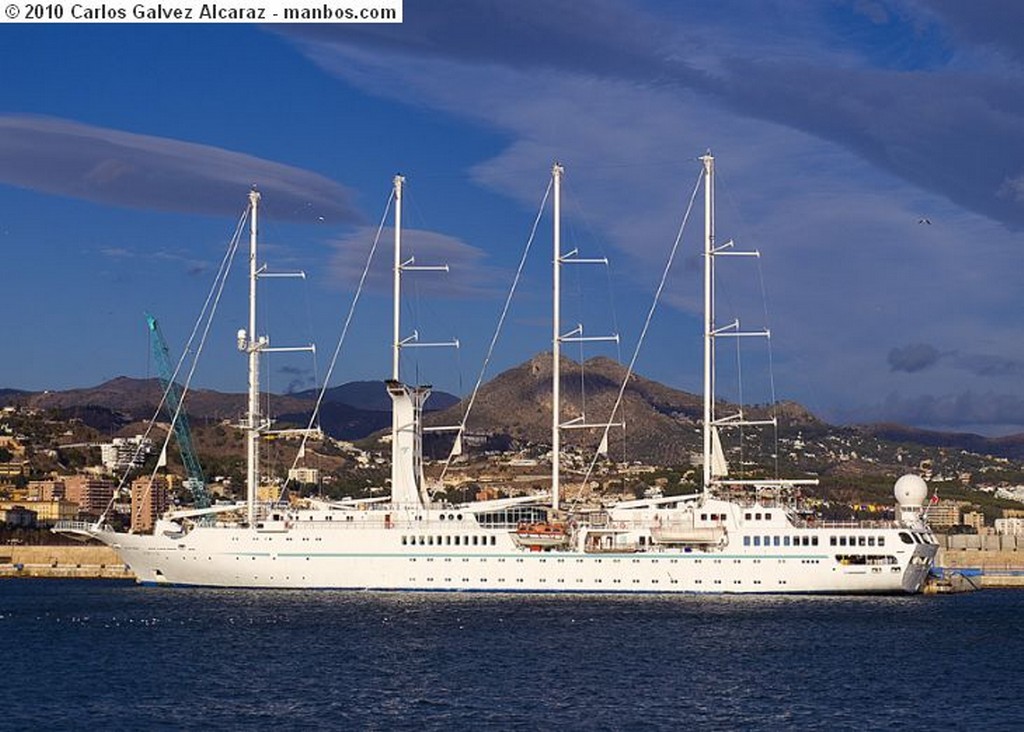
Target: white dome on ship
(911,491)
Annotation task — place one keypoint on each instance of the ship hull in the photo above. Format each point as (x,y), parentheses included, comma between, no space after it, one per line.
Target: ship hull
(489,561)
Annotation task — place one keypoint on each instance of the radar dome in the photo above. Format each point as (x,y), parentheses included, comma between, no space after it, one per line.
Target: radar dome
(910,490)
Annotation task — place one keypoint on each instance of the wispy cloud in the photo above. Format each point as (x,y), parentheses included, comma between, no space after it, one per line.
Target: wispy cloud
(191,265)
(140,171)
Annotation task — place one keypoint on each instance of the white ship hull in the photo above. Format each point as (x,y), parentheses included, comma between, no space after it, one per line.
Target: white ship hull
(371,553)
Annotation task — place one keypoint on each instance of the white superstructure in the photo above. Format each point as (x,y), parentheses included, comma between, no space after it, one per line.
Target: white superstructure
(697,543)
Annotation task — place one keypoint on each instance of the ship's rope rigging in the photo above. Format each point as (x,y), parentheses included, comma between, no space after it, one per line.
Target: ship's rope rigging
(203,322)
(772,397)
(643,333)
(497,331)
(344,332)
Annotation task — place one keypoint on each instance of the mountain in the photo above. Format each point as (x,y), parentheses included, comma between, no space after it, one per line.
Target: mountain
(662,424)
(372,396)
(1010,446)
(350,411)
(513,410)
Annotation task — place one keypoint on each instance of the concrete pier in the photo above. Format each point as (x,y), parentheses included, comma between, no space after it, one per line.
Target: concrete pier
(79,562)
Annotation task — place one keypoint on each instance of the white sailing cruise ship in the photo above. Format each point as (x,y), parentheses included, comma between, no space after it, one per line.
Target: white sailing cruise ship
(682,544)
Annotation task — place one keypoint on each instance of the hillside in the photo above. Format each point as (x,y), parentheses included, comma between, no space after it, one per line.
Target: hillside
(662,424)
(513,410)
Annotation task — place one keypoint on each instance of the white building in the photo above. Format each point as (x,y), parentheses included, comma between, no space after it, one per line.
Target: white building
(1010,526)
(125,452)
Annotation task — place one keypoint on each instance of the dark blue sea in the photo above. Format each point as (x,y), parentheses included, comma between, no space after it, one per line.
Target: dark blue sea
(113,656)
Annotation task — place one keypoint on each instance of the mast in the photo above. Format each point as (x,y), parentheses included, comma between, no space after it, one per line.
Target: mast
(408,487)
(715,466)
(573,336)
(556,339)
(253,348)
(709,315)
(396,343)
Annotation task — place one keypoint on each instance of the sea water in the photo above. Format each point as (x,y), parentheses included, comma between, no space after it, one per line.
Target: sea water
(114,656)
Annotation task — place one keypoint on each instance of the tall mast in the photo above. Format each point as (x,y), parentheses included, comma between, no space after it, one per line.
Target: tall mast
(556,175)
(253,347)
(709,315)
(396,343)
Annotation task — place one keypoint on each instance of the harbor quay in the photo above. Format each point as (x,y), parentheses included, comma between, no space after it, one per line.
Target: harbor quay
(62,562)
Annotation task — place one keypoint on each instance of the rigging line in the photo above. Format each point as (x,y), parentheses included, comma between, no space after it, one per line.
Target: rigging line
(497,330)
(217,287)
(208,311)
(344,331)
(643,332)
(771,366)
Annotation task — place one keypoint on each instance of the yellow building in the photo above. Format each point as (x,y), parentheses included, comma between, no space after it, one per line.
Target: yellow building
(45,490)
(944,514)
(47,512)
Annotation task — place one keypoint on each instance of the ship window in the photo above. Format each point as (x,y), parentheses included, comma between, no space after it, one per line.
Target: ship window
(746,517)
(746,541)
(767,541)
(785,541)
(474,541)
(831,541)
(494,541)
(430,540)
(767,517)
(757,541)
(405,540)
(757,516)
(881,541)
(776,540)
(871,541)
(842,541)
(704,517)
(905,538)
(814,541)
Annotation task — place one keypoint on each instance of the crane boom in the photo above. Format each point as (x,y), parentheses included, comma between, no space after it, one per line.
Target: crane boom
(180,425)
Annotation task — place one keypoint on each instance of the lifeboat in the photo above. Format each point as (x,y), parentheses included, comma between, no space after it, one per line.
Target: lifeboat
(540,535)
(682,534)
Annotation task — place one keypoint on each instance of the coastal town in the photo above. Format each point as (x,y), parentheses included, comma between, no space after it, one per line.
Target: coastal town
(53,470)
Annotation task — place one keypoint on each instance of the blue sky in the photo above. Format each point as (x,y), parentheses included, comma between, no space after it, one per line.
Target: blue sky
(126,153)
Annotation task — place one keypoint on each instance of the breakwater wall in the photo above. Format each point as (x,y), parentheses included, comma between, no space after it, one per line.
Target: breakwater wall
(81,562)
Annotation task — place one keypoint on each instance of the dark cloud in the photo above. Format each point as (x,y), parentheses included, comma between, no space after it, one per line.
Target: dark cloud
(138,171)
(920,356)
(300,379)
(964,409)
(913,358)
(987,365)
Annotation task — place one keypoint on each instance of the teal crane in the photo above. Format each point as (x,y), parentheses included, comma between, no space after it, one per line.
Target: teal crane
(181,428)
